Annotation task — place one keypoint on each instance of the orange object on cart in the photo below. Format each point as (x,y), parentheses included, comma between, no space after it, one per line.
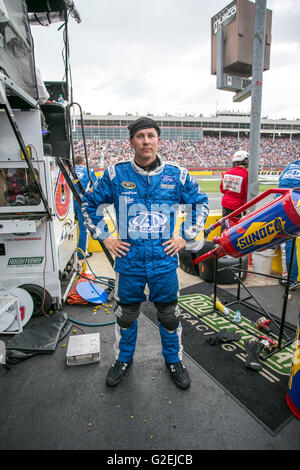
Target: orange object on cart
(73,297)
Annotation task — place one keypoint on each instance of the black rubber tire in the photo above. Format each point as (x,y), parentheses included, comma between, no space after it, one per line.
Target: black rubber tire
(206,269)
(37,294)
(186,258)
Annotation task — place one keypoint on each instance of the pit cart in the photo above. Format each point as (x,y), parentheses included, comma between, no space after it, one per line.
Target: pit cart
(38,233)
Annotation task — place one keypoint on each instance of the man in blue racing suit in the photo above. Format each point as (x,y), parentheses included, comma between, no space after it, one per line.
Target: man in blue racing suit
(290,178)
(146,193)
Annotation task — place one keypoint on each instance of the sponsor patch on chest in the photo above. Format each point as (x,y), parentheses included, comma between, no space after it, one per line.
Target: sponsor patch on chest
(167,182)
(168,179)
(128,184)
(167,186)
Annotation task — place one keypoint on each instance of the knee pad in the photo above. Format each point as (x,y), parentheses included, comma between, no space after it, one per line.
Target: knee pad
(127,314)
(168,314)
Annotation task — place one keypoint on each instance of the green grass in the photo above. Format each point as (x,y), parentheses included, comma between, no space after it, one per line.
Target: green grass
(264,187)
(213,186)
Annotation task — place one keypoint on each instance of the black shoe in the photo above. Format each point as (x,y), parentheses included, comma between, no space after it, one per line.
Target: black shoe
(179,374)
(88,255)
(117,372)
(293,285)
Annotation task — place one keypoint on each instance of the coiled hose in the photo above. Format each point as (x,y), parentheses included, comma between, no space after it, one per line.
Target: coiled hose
(106,281)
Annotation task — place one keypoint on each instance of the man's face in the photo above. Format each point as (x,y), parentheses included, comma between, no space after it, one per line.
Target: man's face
(145,143)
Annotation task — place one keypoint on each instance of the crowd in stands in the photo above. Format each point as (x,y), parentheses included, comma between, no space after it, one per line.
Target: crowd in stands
(209,153)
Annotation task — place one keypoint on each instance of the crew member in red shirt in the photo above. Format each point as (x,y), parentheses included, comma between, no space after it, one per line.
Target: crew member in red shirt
(234,184)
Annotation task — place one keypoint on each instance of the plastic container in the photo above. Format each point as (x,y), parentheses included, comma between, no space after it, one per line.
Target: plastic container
(262,261)
(237,317)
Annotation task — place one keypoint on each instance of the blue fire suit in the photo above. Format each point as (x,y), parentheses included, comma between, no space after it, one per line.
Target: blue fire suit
(82,174)
(146,205)
(290,178)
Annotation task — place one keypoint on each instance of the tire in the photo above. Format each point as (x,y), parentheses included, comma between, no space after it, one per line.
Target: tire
(37,294)
(186,258)
(207,268)
(186,262)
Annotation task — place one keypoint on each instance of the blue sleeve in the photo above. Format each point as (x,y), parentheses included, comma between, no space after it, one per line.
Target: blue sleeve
(282,183)
(93,204)
(196,208)
(290,177)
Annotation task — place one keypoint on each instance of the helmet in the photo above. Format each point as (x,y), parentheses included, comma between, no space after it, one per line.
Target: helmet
(240,156)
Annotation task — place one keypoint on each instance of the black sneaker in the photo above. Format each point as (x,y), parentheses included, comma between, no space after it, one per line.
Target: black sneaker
(179,374)
(117,372)
(294,284)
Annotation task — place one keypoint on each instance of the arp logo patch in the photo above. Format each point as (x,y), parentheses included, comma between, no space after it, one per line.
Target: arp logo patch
(147,222)
(128,185)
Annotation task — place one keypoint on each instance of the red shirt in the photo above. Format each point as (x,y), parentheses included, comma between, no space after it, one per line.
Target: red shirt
(234,186)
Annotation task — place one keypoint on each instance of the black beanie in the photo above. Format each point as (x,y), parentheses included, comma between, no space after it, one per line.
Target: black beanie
(143,123)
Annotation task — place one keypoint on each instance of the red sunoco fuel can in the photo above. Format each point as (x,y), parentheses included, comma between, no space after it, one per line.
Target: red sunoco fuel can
(293,394)
(270,225)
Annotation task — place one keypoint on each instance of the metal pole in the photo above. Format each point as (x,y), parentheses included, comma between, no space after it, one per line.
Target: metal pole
(220,57)
(256,96)
(66,41)
(286,292)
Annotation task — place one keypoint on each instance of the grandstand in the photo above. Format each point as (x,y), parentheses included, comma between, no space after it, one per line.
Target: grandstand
(195,142)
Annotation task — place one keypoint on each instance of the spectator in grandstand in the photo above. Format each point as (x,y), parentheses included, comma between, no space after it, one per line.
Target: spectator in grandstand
(82,174)
(211,152)
(234,184)
(290,178)
(146,250)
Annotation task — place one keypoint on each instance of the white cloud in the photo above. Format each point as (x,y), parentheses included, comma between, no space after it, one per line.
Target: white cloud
(140,56)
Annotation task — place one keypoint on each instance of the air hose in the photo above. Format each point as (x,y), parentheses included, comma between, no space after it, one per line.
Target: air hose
(91,324)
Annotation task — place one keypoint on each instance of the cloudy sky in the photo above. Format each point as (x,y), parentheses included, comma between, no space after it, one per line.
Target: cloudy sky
(138,56)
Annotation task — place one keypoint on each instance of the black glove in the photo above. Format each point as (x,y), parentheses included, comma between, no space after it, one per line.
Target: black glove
(253,349)
(223,336)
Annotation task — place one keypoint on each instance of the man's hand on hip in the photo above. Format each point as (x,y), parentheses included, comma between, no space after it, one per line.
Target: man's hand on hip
(116,246)
(174,245)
